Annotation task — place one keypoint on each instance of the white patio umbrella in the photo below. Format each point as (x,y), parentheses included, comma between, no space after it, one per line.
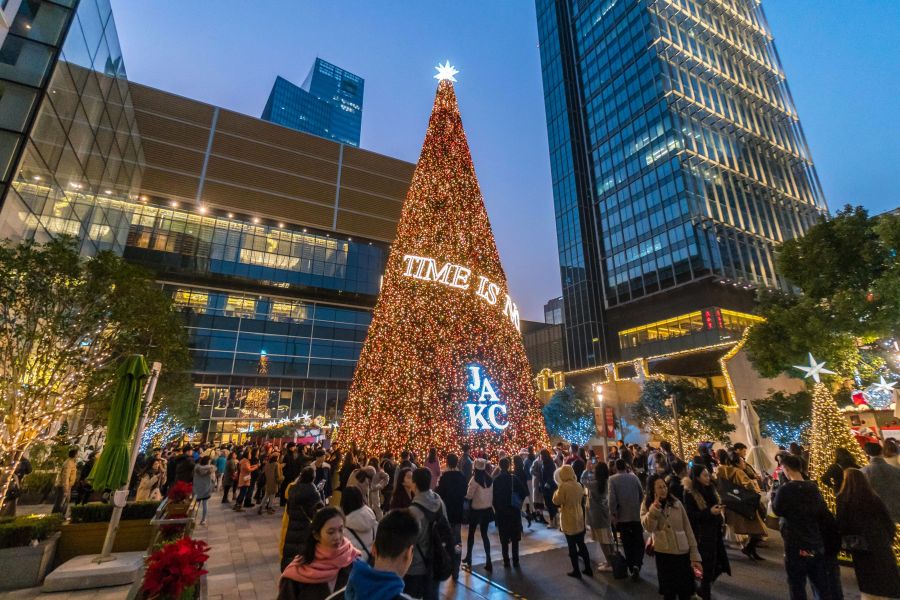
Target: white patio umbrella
(756,456)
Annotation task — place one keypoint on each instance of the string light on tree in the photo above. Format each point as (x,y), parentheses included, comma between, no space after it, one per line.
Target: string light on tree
(443,362)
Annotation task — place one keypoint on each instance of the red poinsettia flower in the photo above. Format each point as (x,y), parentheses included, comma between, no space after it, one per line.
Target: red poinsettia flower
(179,492)
(174,568)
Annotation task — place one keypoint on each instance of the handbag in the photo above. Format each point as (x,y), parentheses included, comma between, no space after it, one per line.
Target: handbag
(739,499)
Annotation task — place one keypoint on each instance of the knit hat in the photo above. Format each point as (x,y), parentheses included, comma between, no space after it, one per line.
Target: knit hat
(480,464)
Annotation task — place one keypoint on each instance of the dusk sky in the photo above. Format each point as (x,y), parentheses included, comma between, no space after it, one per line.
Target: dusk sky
(842,59)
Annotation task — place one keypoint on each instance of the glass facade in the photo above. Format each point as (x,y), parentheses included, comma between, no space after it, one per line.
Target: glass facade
(328,104)
(697,166)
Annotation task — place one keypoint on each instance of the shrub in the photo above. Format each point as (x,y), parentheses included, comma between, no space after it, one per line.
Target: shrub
(37,486)
(99,512)
(21,531)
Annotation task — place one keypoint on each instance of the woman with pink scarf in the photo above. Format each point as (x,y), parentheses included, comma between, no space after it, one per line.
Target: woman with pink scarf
(324,566)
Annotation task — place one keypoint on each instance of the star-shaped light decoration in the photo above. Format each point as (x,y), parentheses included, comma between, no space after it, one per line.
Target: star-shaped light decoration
(446,71)
(883,386)
(814,369)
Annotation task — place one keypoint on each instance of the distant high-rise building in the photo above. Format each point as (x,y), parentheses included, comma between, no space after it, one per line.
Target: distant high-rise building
(328,104)
(554,314)
(678,166)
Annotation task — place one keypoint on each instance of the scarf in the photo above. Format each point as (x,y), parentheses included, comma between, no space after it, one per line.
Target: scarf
(325,567)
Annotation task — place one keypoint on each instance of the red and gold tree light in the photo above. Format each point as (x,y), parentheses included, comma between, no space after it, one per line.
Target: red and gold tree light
(411,385)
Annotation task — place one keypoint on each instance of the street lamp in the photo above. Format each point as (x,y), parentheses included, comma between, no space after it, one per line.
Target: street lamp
(598,393)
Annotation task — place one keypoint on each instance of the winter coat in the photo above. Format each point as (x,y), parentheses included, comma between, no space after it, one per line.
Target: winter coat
(149,482)
(274,477)
(68,475)
(302,503)
(671,529)
(508,517)
(371,584)
(708,528)
(435,468)
(431,502)
(361,525)
(569,497)
(740,524)
(184,468)
(204,481)
(876,568)
(885,480)
(452,489)
(598,501)
(481,497)
(625,495)
(231,471)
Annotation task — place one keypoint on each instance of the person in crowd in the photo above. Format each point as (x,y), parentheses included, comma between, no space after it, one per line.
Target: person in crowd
(406,461)
(434,465)
(834,474)
(230,479)
(204,482)
(805,523)
(323,475)
(675,479)
(890,452)
(639,464)
(65,480)
(151,482)
(661,465)
(348,466)
(325,562)
(360,523)
(707,516)
(392,554)
(274,475)
(537,494)
(733,473)
(452,489)
(741,449)
(509,493)
(548,485)
(429,510)
(303,501)
(569,497)
(184,465)
(404,489)
(290,469)
(884,479)
(481,513)
(596,482)
(677,556)
(521,474)
(868,530)
(256,465)
(221,461)
(360,479)
(379,480)
(625,495)
(245,478)
(466,463)
(798,451)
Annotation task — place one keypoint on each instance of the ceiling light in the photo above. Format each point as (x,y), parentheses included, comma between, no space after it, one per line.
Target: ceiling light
(173,204)
(144,198)
(201,210)
(256,219)
(304,230)
(281,225)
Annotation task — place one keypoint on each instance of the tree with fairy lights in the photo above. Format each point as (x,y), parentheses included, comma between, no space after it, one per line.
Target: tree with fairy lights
(570,416)
(829,428)
(443,362)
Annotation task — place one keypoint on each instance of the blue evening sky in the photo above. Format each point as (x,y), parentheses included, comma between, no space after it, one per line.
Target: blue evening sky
(842,59)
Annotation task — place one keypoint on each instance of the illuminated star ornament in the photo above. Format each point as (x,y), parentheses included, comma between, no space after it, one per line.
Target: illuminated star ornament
(446,71)
(883,386)
(814,369)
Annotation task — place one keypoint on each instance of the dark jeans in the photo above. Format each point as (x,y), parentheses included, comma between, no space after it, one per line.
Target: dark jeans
(242,495)
(632,536)
(230,486)
(577,548)
(456,529)
(548,502)
(248,499)
(421,586)
(480,519)
(800,568)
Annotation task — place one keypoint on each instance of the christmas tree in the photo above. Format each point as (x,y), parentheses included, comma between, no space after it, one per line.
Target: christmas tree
(443,363)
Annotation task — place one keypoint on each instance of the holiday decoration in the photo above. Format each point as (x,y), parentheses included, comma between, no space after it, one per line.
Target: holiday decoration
(570,416)
(174,569)
(814,369)
(443,363)
(256,402)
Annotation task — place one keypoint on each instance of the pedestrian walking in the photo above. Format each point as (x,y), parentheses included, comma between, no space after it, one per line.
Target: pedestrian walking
(274,475)
(674,545)
(360,522)
(221,461)
(303,501)
(481,511)
(428,509)
(379,481)
(867,533)
(508,495)
(548,486)
(596,483)
(733,474)
(65,481)
(404,489)
(325,562)
(245,479)
(452,489)
(202,485)
(184,465)
(569,497)
(434,465)
(230,478)
(625,495)
(884,478)
(706,513)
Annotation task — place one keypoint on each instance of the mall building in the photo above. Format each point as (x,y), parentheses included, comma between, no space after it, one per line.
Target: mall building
(270,240)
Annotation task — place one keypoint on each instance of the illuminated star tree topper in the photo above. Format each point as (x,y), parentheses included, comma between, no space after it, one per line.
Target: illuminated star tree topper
(814,369)
(446,72)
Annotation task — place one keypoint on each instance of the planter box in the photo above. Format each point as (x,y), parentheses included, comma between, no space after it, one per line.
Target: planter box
(87,538)
(26,566)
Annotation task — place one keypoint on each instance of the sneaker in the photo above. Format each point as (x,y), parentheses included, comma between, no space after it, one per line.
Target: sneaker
(202,523)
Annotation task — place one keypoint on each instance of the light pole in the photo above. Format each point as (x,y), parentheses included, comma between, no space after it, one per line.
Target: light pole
(598,394)
(671,402)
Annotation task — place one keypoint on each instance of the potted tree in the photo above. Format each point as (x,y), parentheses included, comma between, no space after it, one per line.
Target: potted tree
(87,529)
(27,547)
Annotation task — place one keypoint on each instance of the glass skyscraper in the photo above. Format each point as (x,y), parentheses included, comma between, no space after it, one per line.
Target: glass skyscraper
(677,158)
(328,104)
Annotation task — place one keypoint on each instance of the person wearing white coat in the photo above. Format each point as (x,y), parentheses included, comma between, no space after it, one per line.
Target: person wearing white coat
(360,522)
(481,512)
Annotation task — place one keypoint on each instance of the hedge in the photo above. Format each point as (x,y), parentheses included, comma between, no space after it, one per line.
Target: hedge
(20,531)
(100,512)
(37,486)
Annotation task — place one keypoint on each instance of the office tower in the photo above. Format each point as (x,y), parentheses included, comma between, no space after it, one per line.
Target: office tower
(553,311)
(328,104)
(678,166)
(271,241)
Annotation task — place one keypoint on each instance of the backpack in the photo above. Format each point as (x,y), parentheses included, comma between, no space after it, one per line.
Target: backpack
(442,546)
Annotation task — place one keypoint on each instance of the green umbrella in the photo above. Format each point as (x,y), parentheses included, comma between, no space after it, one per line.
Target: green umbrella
(111,470)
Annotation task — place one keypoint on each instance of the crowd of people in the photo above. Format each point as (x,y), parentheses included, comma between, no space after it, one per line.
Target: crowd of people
(356,525)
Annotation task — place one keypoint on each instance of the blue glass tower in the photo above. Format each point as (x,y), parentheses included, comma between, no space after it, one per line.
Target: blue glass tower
(678,163)
(328,104)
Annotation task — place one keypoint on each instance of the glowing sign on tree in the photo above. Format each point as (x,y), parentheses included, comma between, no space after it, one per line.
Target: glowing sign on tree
(481,412)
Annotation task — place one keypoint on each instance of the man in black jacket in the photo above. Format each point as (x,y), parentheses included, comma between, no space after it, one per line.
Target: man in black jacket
(184,465)
(452,489)
(807,527)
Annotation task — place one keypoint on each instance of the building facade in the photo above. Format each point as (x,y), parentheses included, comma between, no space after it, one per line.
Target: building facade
(678,162)
(271,241)
(328,104)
